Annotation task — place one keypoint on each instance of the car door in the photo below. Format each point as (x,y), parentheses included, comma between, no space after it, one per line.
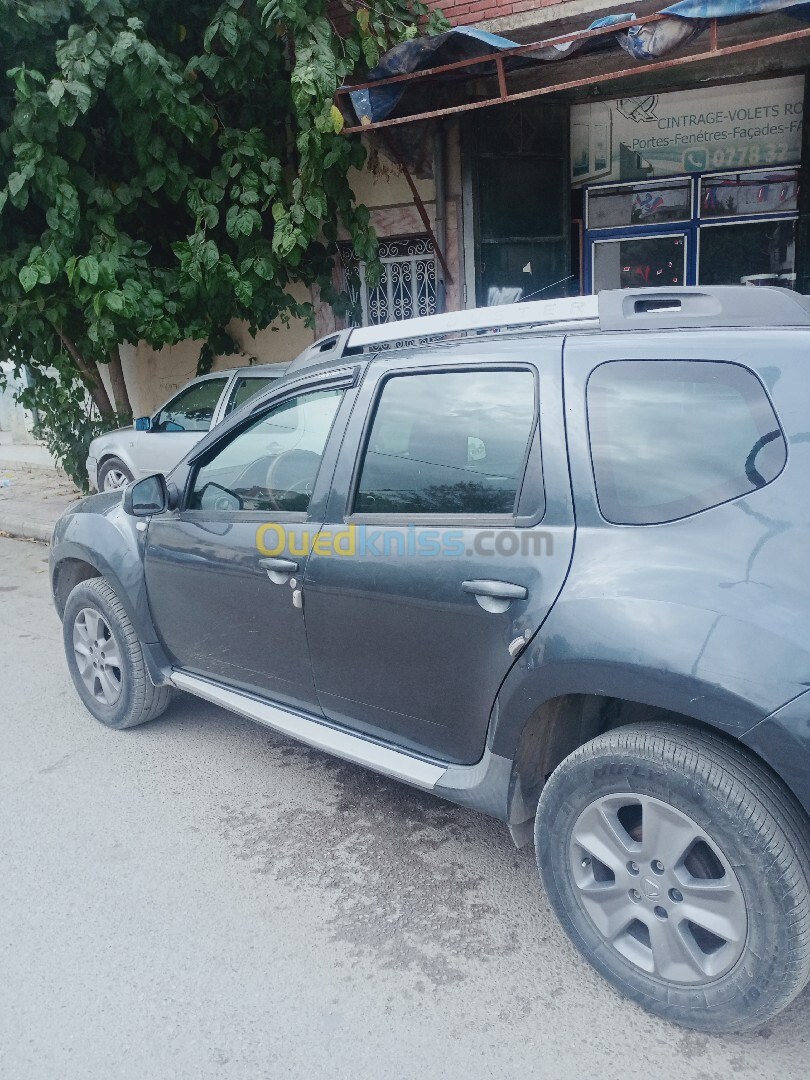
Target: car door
(223,572)
(179,425)
(448,538)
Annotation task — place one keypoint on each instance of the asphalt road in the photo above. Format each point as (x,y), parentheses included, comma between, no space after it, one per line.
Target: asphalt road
(200,898)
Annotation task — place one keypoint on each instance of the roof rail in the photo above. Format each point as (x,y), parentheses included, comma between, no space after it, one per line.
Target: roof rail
(617,309)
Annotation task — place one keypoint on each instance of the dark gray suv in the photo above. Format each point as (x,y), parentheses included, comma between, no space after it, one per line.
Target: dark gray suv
(550,561)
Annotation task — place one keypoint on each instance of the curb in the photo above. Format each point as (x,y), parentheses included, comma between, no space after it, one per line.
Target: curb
(25,529)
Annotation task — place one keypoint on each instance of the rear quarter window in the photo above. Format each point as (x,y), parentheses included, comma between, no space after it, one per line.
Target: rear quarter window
(671,438)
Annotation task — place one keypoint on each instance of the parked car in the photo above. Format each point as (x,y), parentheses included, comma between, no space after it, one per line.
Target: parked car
(557,573)
(156,443)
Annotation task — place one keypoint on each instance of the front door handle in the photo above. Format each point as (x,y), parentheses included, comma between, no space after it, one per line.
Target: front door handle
(494,596)
(278,570)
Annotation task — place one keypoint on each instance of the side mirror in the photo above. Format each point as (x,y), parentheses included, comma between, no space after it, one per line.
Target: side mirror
(143,423)
(146,497)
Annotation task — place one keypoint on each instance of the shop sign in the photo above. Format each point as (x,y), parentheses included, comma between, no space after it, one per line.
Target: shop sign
(707,130)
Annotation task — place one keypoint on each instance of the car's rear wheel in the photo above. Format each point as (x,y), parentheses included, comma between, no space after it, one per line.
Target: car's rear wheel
(680,868)
(106,660)
(113,475)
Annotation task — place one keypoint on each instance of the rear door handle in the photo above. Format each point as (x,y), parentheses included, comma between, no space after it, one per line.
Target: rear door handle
(278,570)
(504,590)
(494,596)
(286,566)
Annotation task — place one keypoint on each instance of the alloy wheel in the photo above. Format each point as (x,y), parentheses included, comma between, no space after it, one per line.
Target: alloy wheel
(97,657)
(114,480)
(658,889)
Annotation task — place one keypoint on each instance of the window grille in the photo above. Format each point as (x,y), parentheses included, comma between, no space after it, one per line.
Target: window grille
(407,288)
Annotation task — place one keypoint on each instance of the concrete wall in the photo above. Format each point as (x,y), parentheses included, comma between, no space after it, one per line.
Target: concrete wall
(15,421)
(153,376)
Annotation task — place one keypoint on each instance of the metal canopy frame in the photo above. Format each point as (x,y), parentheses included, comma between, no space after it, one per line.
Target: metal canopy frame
(712,51)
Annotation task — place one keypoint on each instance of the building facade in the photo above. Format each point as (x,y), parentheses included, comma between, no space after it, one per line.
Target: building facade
(599,170)
(600,174)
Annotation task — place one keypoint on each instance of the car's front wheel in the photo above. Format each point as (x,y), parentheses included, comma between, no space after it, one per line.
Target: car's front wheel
(680,868)
(106,660)
(113,475)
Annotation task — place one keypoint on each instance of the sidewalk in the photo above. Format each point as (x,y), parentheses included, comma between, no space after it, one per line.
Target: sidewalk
(32,492)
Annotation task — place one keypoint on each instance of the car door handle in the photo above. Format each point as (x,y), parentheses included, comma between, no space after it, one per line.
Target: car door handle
(286,566)
(501,590)
(494,596)
(278,570)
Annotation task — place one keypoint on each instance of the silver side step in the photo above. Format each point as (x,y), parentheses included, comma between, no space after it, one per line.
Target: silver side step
(422,774)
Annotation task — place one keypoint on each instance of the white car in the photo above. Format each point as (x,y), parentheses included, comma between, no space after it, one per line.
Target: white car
(156,443)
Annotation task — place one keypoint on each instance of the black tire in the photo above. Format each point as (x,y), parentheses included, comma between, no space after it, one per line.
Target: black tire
(750,821)
(138,700)
(113,467)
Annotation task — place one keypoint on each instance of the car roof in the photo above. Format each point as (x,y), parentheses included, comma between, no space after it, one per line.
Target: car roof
(677,308)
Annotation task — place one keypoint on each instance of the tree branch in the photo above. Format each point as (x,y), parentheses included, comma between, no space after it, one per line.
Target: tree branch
(118,383)
(93,381)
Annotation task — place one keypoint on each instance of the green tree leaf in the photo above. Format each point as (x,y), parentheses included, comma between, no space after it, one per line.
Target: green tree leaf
(28,278)
(88,269)
(56,91)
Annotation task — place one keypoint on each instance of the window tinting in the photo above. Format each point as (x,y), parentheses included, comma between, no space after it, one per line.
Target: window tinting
(671,438)
(272,464)
(192,409)
(448,443)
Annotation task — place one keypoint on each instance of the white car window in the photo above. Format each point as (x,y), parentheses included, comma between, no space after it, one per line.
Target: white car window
(192,409)
(245,387)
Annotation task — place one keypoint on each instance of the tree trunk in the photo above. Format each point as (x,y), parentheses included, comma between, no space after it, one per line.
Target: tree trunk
(118,382)
(98,393)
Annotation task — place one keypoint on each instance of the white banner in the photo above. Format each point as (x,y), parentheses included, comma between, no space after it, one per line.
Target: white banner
(720,127)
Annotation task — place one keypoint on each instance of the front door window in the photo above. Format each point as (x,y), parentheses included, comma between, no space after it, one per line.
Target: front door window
(192,409)
(271,465)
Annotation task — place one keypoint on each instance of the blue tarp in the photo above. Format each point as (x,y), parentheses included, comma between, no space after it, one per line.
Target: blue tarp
(646,42)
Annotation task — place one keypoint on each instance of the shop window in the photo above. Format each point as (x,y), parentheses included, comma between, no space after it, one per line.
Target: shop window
(639,262)
(672,438)
(732,228)
(639,204)
(749,194)
(748,253)
(407,288)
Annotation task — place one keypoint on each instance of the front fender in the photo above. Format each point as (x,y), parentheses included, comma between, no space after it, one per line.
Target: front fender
(97,531)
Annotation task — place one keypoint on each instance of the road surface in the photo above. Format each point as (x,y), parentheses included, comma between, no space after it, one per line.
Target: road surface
(201,898)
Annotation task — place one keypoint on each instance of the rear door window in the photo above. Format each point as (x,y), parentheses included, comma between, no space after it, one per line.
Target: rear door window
(245,387)
(448,443)
(672,438)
